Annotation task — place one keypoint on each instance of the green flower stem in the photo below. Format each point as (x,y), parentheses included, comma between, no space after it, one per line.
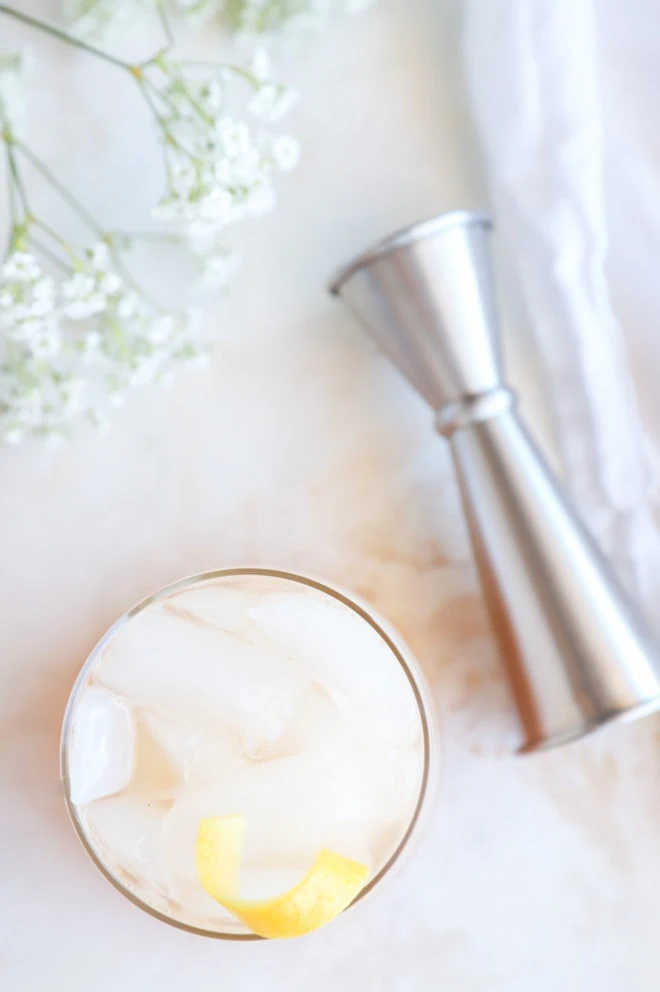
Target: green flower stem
(135,70)
(60,188)
(176,77)
(147,84)
(20,225)
(11,193)
(50,255)
(76,206)
(169,36)
(243,73)
(16,179)
(166,237)
(238,70)
(197,108)
(16,195)
(57,238)
(69,39)
(13,206)
(165,23)
(127,276)
(144,85)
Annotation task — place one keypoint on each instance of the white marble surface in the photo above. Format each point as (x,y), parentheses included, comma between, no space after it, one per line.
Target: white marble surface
(301,449)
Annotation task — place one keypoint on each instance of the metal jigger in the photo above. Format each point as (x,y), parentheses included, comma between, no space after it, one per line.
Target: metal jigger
(576,650)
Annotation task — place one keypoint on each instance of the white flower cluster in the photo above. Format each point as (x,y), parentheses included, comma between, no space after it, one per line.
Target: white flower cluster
(104,18)
(218,169)
(73,347)
(200,9)
(249,17)
(260,17)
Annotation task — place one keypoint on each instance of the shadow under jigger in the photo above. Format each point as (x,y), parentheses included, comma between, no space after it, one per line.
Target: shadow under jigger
(576,649)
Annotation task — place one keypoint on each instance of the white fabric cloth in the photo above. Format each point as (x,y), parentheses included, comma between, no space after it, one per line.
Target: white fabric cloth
(537,86)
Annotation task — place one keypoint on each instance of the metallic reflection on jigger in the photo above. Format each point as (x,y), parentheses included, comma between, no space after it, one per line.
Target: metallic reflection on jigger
(577,651)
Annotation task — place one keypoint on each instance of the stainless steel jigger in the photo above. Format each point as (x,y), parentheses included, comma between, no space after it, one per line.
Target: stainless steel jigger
(576,651)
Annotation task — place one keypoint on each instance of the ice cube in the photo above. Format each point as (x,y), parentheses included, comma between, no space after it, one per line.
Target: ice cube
(349,658)
(315,724)
(201,908)
(293,807)
(198,751)
(102,745)
(156,773)
(394,779)
(126,834)
(214,604)
(179,739)
(182,823)
(200,673)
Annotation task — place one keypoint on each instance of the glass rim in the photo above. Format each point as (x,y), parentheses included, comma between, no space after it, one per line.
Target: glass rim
(415,679)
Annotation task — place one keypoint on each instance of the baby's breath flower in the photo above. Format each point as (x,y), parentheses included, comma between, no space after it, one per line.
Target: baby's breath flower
(21,267)
(82,297)
(28,312)
(76,345)
(198,8)
(286,152)
(262,17)
(92,284)
(218,269)
(260,66)
(105,18)
(218,169)
(71,348)
(272,101)
(201,237)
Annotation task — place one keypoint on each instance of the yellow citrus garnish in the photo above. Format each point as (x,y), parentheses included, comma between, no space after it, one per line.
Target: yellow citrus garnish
(331,884)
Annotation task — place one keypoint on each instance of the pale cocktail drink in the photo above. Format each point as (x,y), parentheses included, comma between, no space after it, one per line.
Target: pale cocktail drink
(247,693)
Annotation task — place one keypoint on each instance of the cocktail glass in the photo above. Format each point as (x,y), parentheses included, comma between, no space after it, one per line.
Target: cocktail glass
(254,692)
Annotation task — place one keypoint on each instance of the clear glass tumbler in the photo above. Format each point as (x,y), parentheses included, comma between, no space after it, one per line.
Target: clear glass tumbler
(250,691)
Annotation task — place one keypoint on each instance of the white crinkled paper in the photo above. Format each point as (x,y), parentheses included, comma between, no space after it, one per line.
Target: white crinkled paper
(532,76)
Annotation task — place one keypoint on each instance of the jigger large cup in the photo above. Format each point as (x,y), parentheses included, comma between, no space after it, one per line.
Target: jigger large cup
(576,649)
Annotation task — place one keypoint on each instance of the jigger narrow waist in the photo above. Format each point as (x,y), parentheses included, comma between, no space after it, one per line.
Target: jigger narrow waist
(474,409)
